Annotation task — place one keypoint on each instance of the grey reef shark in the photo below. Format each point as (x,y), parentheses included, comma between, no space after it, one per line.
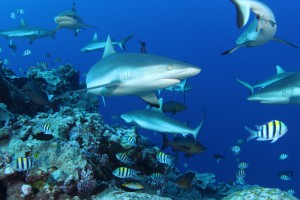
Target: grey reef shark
(280,74)
(27,32)
(139,74)
(282,91)
(70,20)
(154,119)
(95,44)
(261,30)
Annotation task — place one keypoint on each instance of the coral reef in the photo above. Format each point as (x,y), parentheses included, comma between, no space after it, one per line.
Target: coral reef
(75,157)
(260,193)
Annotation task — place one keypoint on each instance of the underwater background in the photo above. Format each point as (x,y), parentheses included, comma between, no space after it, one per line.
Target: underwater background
(192,31)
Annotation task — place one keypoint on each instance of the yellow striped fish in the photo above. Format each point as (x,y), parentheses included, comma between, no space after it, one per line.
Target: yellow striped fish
(272,130)
(124,172)
(24,164)
(163,158)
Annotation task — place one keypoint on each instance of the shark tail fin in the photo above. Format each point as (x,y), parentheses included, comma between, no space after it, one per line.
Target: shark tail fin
(165,143)
(246,85)
(124,41)
(253,134)
(285,42)
(198,128)
(242,12)
(231,50)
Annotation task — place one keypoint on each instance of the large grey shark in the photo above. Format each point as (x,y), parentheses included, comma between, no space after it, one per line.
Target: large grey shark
(280,74)
(95,44)
(155,120)
(262,29)
(28,32)
(135,74)
(70,20)
(283,91)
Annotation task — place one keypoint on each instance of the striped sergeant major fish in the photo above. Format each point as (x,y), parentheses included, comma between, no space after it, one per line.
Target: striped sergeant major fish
(124,172)
(156,175)
(243,165)
(46,128)
(164,158)
(123,157)
(24,163)
(283,156)
(272,130)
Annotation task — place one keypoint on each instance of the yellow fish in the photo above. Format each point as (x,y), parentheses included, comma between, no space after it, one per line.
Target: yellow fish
(134,186)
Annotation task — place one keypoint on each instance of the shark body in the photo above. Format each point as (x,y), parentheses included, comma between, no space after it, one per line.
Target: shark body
(261,30)
(135,74)
(28,32)
(70,20)
(95,44)
(283,91)
(155,120)
(280,74)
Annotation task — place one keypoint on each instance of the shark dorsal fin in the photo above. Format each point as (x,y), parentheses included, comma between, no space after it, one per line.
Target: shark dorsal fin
(95,37)
(22,23)
(279,70)
(109,49)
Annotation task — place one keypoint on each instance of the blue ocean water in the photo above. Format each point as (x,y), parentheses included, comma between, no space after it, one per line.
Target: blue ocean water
(196,32)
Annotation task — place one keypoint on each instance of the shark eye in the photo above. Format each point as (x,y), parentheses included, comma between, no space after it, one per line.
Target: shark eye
(170,67)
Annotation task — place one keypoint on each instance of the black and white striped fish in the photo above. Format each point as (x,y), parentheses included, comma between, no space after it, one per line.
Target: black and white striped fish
(156,175)
(24,163)
(243,165)
(241,173)
(124,172)
(46,128)
(164,158)
(124,158)
(283,156)
(272,130)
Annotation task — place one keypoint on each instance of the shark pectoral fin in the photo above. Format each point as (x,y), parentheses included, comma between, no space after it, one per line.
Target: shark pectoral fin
(285,42)
(259,25)
(231,50)
(151,99)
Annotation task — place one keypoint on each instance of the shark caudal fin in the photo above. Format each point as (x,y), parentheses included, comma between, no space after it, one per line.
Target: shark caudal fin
(198,128)
(285,42)
(242,12)
(124,41)
(247,85)
(253,133)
